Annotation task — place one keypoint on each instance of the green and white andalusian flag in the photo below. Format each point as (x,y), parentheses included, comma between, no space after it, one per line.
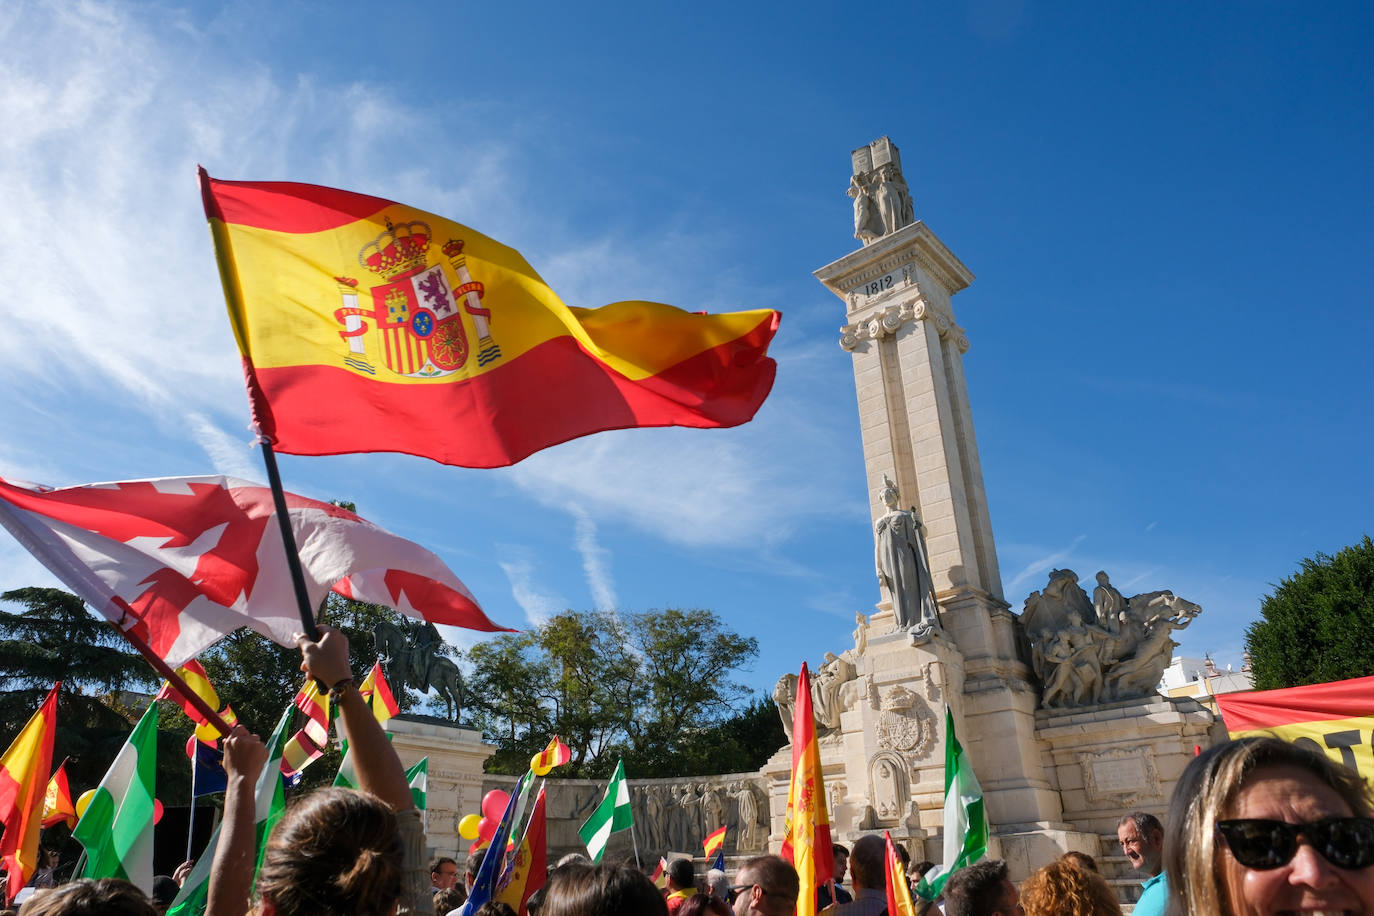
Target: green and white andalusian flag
(611,815)
(966,825)
(269,805)
(117,826)
(417,776)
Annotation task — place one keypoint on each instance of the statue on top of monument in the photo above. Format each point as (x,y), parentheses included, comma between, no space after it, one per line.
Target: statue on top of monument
(1114,648)
(882,200)
(904,568)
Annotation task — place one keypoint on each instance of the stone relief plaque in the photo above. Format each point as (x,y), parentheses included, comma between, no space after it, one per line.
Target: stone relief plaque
(1119,776)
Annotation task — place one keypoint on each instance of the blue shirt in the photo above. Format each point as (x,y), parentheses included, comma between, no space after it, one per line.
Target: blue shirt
(1155,898)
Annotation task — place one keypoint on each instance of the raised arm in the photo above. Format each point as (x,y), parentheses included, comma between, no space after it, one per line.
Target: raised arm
(378,768)
(231,872)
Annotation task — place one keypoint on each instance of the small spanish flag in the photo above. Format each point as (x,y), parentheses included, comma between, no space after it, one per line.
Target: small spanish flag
(377,692)
(555,755)
(714,844)
(194,676)
(899,902)
(22,791)
(57,802)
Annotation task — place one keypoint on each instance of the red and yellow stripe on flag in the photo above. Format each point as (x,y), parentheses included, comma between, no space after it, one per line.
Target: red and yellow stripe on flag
(58,807)
(377,692)
(555,755)
(529,872)
(1336,718)
(367,326)
(806,840)
(899,902)
(714,840)
(194,676)
(22,788)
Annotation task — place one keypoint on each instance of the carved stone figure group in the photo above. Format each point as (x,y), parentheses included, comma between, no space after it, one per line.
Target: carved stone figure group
(1112,648)
(882,202)
(675,816)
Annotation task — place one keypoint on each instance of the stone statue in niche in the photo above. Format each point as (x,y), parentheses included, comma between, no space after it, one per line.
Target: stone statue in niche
(904,568)
(834,688)
(1120,655)
(753,834)
(882,200)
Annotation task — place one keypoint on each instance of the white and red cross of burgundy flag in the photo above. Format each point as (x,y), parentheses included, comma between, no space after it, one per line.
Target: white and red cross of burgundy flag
(183,561)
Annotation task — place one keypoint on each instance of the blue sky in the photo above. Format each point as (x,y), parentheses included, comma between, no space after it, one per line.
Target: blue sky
(1166,205)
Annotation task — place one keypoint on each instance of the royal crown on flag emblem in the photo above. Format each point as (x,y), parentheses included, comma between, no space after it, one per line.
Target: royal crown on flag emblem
(397,250)
(417,313)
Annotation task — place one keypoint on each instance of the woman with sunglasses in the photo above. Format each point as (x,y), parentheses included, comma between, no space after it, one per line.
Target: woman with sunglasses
(1261,826)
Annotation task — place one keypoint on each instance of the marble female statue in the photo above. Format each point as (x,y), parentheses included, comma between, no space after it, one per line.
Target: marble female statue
(903,567)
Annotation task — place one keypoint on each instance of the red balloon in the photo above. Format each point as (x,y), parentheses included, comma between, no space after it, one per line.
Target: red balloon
(494,804)
(157,811)
(486,829)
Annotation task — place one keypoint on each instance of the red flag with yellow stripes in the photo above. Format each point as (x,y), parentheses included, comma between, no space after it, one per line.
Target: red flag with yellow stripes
(366,325)
(22,789)
(806,841)
(1334,718)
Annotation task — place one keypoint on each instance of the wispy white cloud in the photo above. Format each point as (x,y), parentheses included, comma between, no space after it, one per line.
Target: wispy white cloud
(231,457)
(595,561)
(539,604)
(1043,564)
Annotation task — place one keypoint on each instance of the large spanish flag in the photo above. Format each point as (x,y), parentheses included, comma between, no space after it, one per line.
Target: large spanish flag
(806,841)
(23,785)
(369,326)
(1336,718)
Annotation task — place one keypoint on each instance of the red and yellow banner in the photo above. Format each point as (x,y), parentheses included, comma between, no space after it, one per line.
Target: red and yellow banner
(22,790)
(899,902)
(714,841)
(806,843)
(58,807)
(1336,718)
(378,694)
(367,326)
(529,871)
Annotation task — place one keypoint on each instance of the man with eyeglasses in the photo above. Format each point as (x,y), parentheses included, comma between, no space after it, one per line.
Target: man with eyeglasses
(1142,842)
(766,886)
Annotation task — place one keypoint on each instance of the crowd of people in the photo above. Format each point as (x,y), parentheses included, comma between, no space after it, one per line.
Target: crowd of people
(1255,826)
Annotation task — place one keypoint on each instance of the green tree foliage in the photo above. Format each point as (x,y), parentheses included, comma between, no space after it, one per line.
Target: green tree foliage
(53,637)
(654,688)
(1318,625)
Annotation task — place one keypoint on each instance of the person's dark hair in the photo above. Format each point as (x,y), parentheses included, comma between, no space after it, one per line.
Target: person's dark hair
(165,890)
(439,862)
(1079,859)
(975,890)
(535,904)
(1204,794)
(337,851)
(494,908)
(601,890)
(682,873)
(839,849)
(775,875)
(474,863)
(704,905)
(449,899)
(866,862)
(84,897)
(921,868)
(903,855)
(1144,822)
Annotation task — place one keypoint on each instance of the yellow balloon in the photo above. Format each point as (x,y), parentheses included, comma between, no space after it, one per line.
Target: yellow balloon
(467,827)
(83,800)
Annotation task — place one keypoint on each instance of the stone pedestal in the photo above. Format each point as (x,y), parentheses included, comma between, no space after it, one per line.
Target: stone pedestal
(1115,758)
(455,756)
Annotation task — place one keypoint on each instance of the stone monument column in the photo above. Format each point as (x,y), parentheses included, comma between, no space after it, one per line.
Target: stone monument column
(917,427)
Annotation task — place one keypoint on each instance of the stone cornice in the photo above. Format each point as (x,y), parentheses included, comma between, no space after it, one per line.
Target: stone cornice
(911,243)
(885,321)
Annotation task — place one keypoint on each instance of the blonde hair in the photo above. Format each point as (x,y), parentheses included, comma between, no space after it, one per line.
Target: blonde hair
(1205,793)
(1065,889)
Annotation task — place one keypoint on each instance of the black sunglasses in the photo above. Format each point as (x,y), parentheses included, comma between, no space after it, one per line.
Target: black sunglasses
(1345,842)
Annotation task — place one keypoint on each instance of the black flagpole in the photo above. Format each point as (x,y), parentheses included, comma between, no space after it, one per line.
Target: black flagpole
(288,541)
